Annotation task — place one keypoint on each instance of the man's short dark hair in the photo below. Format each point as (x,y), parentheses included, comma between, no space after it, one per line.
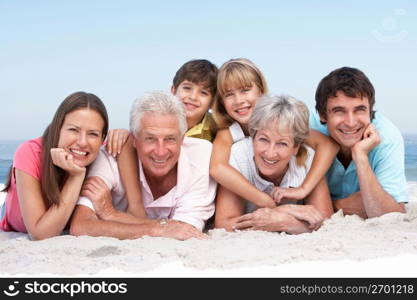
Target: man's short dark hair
(352,82)
(198,71)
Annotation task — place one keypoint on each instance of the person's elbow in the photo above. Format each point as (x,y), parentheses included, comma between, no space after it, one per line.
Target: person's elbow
(224,223)
(327,212)
(37,232)
(81,222)
(38,236)
(78,228)
(396,208)
(401,208)
(83,226)
(215,169)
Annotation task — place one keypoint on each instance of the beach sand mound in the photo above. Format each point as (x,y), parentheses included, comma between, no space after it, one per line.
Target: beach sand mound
(341,238)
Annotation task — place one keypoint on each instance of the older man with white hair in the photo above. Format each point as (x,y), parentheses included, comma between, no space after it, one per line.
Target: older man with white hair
(176,189)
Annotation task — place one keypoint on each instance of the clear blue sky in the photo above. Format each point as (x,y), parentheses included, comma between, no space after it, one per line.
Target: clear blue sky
(121,49)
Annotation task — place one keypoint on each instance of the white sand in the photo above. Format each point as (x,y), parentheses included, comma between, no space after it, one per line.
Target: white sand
(343,247)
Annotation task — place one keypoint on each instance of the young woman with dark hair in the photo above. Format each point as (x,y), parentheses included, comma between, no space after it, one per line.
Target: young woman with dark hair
(48,172)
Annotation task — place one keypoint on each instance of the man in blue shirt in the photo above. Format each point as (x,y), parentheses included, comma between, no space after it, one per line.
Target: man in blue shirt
(367,177)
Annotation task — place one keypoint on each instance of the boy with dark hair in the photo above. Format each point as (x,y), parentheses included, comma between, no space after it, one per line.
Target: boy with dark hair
(195,85)
(367,176)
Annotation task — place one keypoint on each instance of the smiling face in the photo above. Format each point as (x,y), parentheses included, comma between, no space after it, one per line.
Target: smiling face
(158,144)
(272,152)
(347,118)
(240,102)
(82,135)
(196,99)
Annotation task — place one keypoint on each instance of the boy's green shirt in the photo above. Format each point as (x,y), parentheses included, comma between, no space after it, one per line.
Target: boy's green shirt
(203,130)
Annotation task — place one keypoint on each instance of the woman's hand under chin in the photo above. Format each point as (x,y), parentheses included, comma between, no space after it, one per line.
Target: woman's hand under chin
(65,161)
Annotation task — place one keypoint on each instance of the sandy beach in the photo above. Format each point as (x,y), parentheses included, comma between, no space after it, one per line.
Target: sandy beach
(345,246)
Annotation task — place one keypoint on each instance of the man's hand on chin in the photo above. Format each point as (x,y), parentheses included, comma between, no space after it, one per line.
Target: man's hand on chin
(370,140)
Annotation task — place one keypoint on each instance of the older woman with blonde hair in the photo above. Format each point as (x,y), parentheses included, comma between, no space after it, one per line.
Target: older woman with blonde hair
(274,156)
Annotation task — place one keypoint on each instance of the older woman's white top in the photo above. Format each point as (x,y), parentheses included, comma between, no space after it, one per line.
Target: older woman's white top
(241,158)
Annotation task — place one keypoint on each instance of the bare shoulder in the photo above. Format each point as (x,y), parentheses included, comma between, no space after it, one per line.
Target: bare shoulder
(223,135)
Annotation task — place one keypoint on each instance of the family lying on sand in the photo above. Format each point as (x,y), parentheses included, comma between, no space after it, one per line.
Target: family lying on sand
(272,165)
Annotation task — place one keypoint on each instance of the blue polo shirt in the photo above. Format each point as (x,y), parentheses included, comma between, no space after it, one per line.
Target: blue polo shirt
(386,160)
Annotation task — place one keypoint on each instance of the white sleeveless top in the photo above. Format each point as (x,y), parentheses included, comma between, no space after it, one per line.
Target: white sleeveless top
(237,132)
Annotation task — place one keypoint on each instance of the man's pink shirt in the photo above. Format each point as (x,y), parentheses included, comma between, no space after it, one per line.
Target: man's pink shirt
(190,201)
